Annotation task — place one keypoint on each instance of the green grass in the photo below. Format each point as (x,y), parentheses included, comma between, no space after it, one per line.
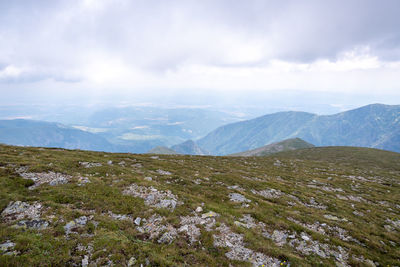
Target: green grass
(119,240)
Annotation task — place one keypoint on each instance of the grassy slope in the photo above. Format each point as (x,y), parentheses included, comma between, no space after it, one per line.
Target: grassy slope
(118,240)
(162,150)
(288,144)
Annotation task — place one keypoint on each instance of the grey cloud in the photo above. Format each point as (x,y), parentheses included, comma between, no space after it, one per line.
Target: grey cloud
(155,35)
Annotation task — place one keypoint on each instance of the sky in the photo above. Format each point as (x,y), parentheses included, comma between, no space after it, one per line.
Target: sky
(93,50)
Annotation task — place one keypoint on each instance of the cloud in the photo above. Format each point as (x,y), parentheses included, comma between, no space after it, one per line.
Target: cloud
(209,45)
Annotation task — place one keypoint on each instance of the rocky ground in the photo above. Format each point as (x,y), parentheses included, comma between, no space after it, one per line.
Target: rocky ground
(78,208)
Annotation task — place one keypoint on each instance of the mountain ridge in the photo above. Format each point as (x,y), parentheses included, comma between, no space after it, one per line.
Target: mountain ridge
(374,125)
(288,144)
(190,147)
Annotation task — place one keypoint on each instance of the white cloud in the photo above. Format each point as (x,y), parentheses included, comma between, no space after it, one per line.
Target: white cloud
(216,46)
(10,72)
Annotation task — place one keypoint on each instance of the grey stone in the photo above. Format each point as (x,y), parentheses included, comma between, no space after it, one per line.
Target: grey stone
(83,181)
(33,224)
(209,214)
(7,245)
(50,178)
(199,209)
(268,193)
(131,262)
(120,217)
(81,220)
(153,197)
(138,220)
(168,237)
(162,172)
(90,164)
(235,197)
(85,261)
(20,210)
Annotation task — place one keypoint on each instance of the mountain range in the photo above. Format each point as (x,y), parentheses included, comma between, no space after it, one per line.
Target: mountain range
(46,134)
(190,148)
(375,126)
(163,150)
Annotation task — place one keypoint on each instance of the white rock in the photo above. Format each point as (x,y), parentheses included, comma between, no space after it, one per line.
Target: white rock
(199,209)
(131,261)
(85,261)
(138,220)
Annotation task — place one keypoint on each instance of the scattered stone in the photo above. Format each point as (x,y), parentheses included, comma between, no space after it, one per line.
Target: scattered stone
(199,209)
(395,223)
(137,221)
(109,162)
(89,164)
(370,263)
(137,165)
(235,197)
(209,214)
(334,218)
(85,261)
(148,178)
(315,204)
(163,172)
(33,224)
(153,197)
(358,213)
(235,187)
(168,237)
(305,237)
(120,217)
(83,181)
(268,193)
(197,181)
(191,230)
(80,222)
(307,246)
(155,157)
(248,222)
(6,246)
(21,210)
(50,178)
(279,237)
(131,262)
(154,227)
(237,251)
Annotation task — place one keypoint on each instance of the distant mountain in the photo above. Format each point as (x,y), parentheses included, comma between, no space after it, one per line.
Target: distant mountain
(162,150)
(143,128)
(375,126)
(285,145)
(190,148)
(45,134)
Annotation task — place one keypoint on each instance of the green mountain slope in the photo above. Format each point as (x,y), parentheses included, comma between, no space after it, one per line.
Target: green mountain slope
(376,126)
(46,134)
(289,144)
(329,206)
(162,150)
(190,148)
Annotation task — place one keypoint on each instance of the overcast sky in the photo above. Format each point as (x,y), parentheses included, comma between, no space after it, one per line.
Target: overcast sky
(217,47)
